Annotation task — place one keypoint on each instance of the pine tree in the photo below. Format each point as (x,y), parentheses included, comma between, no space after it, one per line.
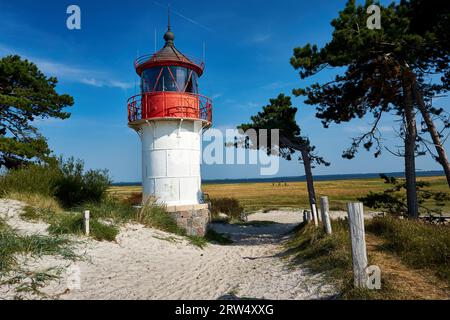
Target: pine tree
(382,71)
(280,114)
(26,94)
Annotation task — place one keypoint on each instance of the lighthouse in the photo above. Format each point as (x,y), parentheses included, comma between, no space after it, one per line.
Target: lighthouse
(170,116)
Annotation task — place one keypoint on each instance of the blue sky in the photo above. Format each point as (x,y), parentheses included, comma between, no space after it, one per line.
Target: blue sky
(248,47)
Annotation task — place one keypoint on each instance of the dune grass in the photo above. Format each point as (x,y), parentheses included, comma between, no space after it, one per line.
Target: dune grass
(35,200)
(422,246)
(73,223)
(418,244)
(12,244)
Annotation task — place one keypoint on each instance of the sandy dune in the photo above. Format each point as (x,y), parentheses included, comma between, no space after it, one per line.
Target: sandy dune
(150,264)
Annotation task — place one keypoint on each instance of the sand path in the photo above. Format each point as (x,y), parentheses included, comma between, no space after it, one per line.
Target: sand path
(149,264)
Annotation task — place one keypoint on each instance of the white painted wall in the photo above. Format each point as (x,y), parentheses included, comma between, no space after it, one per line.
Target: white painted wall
(171,153)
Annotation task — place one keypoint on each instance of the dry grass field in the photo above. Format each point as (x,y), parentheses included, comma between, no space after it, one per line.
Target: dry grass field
(267,195)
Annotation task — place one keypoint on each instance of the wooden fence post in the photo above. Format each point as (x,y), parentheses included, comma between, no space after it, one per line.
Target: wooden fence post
(325,210)
(357,234)
(314,214)
(86,222)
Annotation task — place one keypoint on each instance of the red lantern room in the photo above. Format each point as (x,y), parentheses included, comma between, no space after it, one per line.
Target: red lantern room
(169,87)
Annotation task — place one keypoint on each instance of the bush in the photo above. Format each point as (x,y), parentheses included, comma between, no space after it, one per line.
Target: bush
(66,181)
(229,206)
(33,179)
(76,186)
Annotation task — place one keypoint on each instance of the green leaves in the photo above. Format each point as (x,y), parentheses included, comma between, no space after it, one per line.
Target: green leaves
(393,199)
(26,94)
(280,114)
(372,65)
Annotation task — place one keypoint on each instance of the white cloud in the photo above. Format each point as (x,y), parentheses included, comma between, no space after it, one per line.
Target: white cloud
(64,71)
(277,85)
(260,37)
(216,96)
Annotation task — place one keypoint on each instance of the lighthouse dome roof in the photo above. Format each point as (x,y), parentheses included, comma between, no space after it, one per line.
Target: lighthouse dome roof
(169,55)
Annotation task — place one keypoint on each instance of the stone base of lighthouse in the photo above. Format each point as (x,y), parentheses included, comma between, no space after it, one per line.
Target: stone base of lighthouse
(194,219)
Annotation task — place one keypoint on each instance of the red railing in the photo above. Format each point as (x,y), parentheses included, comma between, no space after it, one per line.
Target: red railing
(168,104)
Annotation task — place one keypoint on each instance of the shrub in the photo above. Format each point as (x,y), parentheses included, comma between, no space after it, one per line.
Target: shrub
(33,179)
(393,199)
(65,181)
(229,206)
(76,186)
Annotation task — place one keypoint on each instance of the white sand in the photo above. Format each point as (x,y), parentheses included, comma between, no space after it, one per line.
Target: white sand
(150,264)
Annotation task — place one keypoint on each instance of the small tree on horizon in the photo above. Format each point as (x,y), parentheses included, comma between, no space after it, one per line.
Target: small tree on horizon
(280,114)
(26,94)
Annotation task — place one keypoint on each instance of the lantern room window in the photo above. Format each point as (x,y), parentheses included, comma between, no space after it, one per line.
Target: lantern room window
(173,78)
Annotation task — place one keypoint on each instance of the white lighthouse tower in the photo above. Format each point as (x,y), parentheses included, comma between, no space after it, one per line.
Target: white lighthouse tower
(170,115)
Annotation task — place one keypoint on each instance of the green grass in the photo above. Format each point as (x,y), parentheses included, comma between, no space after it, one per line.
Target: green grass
(12,243)
(418,244)
(73,223)
(155,216)
(197,241)
(110,209)
(331,255)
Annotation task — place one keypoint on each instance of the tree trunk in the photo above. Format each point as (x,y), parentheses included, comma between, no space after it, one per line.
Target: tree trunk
(309,178)
(442,156)
(410,149)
